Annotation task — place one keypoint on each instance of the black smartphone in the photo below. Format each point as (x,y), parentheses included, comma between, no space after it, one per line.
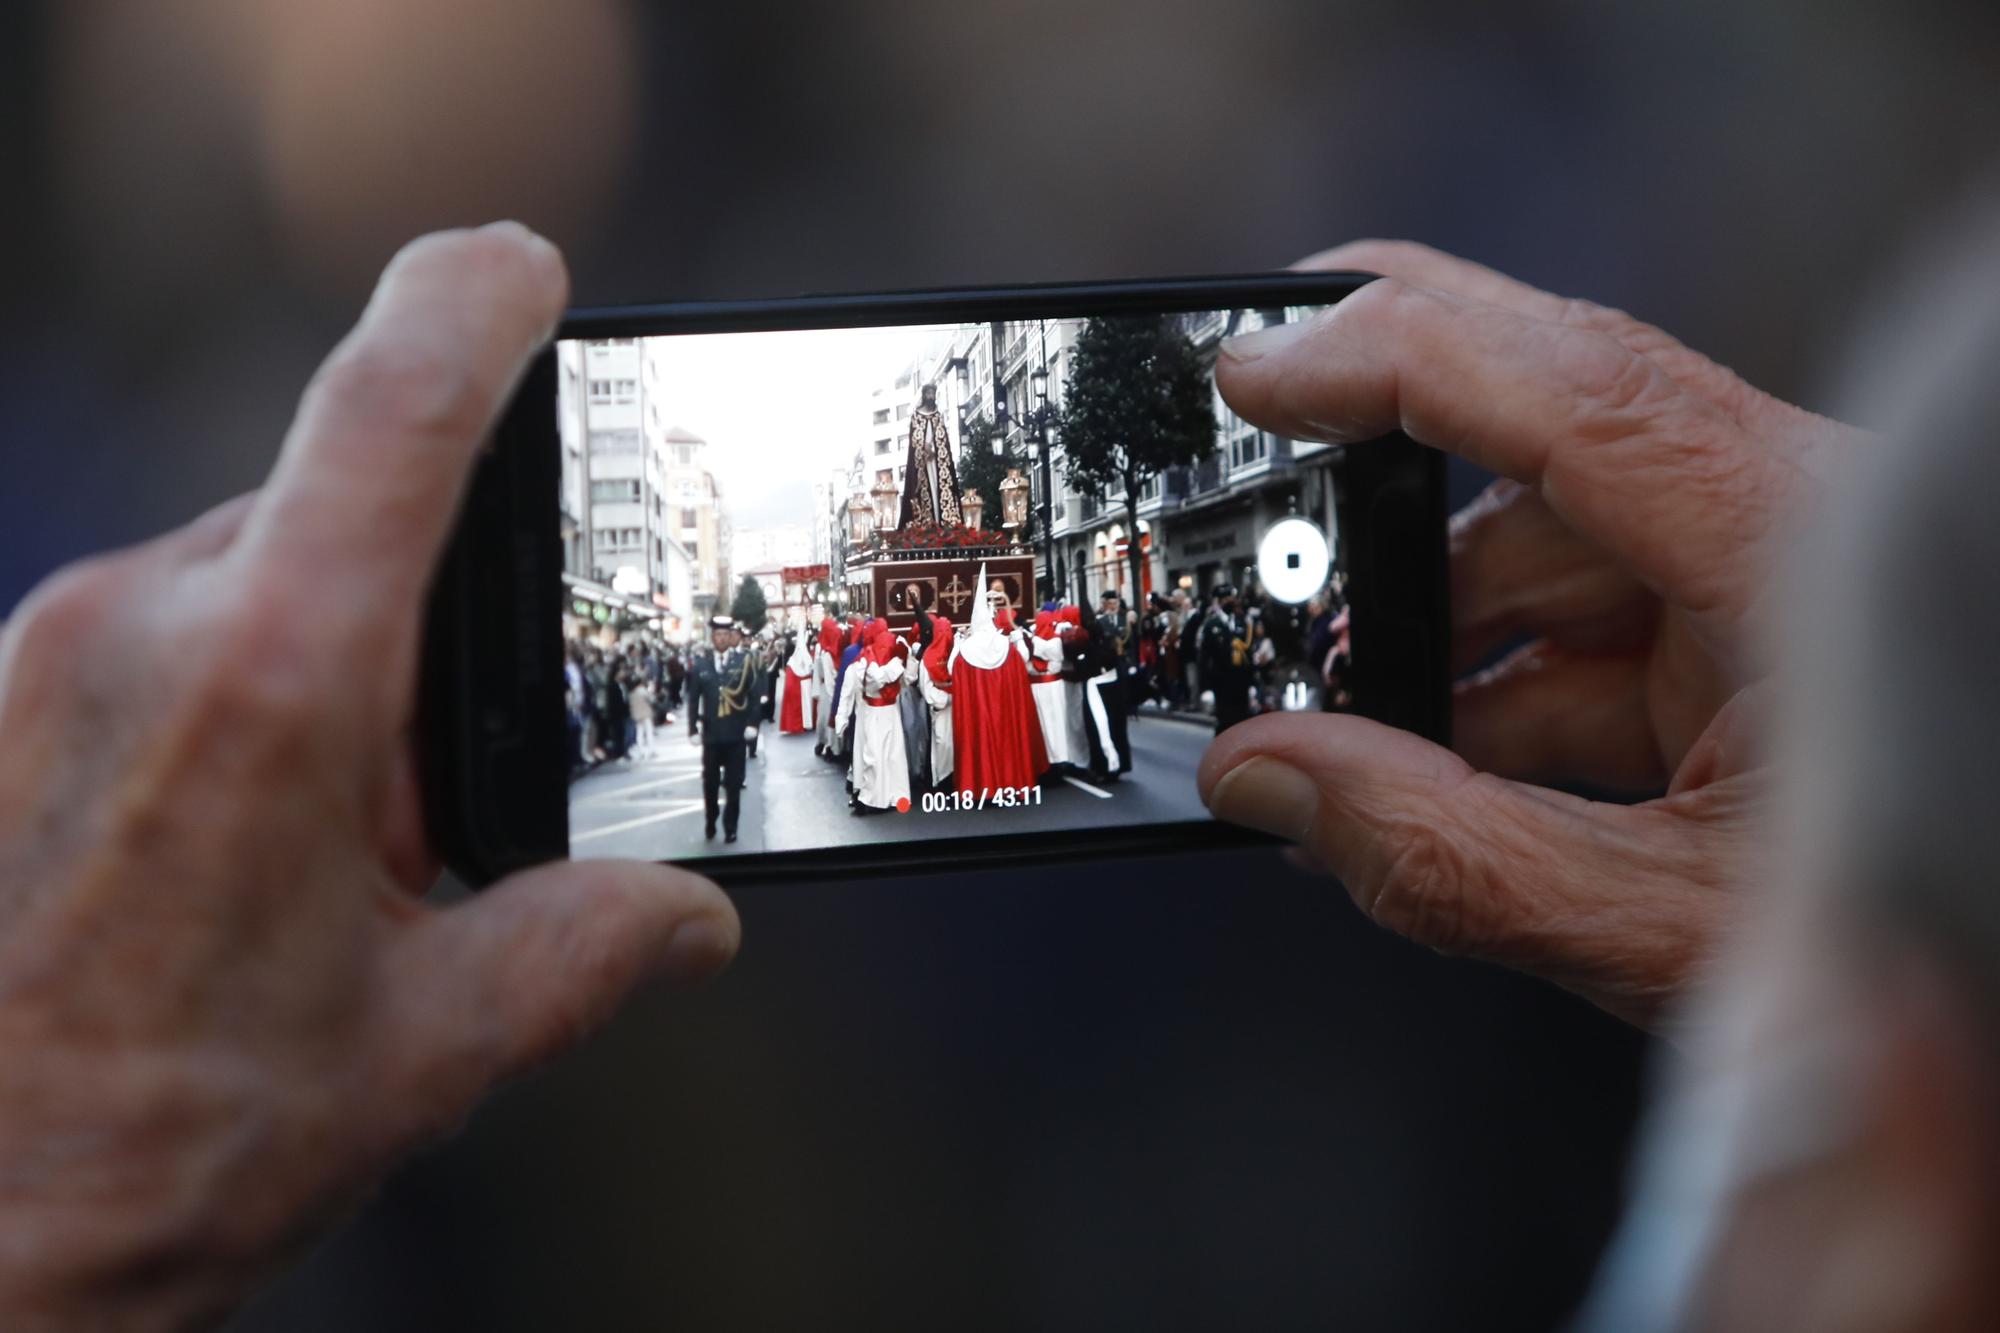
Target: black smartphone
(846,584)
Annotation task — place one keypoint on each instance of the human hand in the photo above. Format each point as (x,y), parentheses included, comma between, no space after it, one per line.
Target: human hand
(1644,492)
(224,1012)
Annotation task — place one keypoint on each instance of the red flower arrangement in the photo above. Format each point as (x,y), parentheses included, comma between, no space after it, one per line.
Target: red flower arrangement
(938,537)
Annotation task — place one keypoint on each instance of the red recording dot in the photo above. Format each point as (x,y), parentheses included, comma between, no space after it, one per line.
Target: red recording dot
(903,805)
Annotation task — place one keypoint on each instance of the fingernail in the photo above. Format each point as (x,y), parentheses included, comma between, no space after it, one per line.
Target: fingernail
(1266,794)
(515,227)
(1261,342)
(701,946)
(548,258)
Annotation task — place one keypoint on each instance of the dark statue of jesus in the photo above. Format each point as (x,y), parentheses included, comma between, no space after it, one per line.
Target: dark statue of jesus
(930,478)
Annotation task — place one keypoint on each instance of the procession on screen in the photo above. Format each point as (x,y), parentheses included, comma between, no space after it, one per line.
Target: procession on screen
(922,597)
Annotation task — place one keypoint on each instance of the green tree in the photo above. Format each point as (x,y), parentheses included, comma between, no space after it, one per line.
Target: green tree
(1136,402)
(750,610)
(982,470)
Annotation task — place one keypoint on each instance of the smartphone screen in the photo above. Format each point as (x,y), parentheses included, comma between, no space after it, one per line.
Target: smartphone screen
(837,587)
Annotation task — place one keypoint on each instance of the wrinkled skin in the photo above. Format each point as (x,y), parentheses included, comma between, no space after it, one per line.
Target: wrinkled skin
(224,1010)
(1644,494)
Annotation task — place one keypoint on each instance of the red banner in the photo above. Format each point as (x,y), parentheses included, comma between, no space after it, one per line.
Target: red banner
(805,574)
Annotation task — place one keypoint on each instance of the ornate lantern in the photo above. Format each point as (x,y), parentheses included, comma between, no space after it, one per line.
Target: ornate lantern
(886,498)
(1014,499)
(860,519)
(973,507)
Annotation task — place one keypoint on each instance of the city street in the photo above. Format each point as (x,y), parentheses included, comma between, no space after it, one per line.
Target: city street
(792,800)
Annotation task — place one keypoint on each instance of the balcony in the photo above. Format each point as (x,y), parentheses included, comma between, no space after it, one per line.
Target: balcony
(1017,350)
(1210,474)
(1063,514)
(1204,326)
(1164,492)
(1250,469)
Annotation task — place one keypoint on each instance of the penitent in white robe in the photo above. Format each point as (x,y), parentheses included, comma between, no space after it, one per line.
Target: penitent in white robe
(881,761)
(938,699)
(826,669)
(1051,698)
(795,700)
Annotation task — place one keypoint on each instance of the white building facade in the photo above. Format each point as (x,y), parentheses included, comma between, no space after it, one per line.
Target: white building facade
(693,514)
(759,548)
(623,470)
(622,527)
(573,429)
(1195,527)
(1198,526)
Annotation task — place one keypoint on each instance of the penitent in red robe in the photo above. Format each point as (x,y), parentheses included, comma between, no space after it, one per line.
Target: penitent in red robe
(795,714)
(996,734)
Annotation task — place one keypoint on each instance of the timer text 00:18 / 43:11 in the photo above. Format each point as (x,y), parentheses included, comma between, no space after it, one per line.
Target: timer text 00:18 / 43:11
(1007,798)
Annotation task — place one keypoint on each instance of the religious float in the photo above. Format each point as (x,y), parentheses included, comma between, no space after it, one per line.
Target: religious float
(921,548)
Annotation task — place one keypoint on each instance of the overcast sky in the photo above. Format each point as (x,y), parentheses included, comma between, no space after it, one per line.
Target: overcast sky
(780,411)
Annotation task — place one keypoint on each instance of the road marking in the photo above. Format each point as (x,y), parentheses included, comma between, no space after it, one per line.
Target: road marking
(629,792)
(661,758)
(689,808)
(1100,795)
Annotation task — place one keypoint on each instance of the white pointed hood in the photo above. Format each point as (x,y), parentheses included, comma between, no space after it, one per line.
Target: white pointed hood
(984,647)
(800,663)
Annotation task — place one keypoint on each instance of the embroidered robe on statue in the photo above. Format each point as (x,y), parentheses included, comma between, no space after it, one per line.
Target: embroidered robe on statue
(930,478)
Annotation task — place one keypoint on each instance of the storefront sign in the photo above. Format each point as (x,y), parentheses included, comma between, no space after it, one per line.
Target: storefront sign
(1208,545)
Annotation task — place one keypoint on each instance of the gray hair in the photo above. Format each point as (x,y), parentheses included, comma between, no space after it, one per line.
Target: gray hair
(1893,731)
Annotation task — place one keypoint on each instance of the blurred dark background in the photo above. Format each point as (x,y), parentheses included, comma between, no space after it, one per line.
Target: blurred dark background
(1195,1094)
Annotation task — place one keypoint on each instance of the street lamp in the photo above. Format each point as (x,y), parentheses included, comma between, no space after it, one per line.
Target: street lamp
(1014,500)
(886,495)
(860,519)
(1038,419)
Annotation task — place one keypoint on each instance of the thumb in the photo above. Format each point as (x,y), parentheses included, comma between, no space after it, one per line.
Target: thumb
(1583,893)
(534,964)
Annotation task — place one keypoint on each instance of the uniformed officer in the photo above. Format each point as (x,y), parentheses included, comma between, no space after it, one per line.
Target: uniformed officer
(1225,657)
(1107,693)
(722,693)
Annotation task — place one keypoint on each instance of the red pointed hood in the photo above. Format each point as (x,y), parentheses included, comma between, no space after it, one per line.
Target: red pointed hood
(939,653)
(881,647)
(1069,624)
(1045,624)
